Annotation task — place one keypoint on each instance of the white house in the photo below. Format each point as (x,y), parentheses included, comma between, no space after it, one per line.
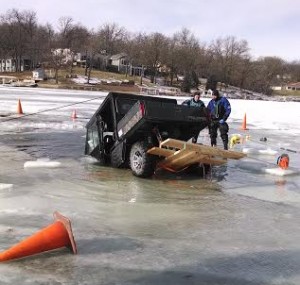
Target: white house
(9,65)
(119,61)
(64,54)
(293,86)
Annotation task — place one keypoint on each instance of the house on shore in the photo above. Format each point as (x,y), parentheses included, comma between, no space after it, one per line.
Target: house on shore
(10,64)
(293,86)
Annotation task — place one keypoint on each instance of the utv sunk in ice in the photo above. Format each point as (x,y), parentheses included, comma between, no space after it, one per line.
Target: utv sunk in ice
(125,126)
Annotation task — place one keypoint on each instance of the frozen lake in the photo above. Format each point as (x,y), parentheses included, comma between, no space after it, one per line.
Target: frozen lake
(238,226)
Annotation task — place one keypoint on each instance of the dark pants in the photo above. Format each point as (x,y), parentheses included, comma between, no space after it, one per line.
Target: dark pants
(213,131)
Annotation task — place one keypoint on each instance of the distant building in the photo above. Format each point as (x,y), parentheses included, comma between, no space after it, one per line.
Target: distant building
(293,86)
(65,55)
(119,62)
(9,64)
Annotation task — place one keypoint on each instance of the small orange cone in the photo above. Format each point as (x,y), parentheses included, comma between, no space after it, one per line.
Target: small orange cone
(74,115)
(57,235)
(244,124)
(19,108)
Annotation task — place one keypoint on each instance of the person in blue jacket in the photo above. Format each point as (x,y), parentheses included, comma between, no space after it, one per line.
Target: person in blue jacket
(219,110)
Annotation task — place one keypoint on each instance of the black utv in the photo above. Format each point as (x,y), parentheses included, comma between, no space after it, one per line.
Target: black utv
(125,126)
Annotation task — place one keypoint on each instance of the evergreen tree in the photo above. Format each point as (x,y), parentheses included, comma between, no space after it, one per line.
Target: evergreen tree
(211,82)
(195,79)
(187,83)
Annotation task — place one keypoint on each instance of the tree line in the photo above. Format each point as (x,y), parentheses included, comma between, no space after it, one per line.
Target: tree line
(227,59)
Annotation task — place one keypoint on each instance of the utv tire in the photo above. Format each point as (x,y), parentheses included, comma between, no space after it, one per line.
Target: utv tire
(142,164)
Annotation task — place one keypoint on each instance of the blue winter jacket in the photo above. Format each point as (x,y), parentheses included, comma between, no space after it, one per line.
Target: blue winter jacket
(219,108)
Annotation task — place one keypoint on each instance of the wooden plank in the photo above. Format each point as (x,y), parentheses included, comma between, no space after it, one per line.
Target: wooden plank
(179,154)
(184,158)
(179,161)
(161,151)
(203,149)
(182,155)
(189,160)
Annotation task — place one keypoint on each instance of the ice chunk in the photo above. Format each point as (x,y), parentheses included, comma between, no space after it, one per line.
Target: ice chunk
(42,163)
(5,186)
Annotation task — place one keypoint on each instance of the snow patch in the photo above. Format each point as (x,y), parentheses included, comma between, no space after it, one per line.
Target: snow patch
(41,163)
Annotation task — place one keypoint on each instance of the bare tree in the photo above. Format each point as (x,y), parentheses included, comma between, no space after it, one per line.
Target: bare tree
(266,73)
(293,71)
(242,73)
(152,48)
(227,53)
(21,28)
(112,38)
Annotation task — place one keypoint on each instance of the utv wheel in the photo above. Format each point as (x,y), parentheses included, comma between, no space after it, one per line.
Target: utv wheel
(142,164)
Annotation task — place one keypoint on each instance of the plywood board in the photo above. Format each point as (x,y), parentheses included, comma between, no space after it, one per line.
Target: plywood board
(204,149)
(179,154)
(161,151)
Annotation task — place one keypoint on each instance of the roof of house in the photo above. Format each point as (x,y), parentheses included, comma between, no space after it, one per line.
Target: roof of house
(118,56)
(294,84)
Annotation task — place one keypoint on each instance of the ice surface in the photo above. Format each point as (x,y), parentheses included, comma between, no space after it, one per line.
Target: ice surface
(237,226)
(267,151)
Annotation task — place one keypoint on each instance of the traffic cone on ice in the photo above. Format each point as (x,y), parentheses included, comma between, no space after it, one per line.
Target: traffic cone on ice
(244,124)
(19,108)
(57,235)
(74,115)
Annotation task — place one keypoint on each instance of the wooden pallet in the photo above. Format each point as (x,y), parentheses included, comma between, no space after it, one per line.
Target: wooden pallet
(180,154)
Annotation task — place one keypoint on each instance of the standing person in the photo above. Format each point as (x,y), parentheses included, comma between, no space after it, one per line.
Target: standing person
(219,110)
(195,101)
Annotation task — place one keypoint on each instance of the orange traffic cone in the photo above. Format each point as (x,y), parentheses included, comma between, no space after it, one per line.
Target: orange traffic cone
(74,115)
(57,235)
(19,108)
(244,124)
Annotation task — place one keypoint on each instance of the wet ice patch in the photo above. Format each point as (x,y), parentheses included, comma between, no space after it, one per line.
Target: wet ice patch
(89,160)
(42,163)
(252,165)
(267,151)
(270,193)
